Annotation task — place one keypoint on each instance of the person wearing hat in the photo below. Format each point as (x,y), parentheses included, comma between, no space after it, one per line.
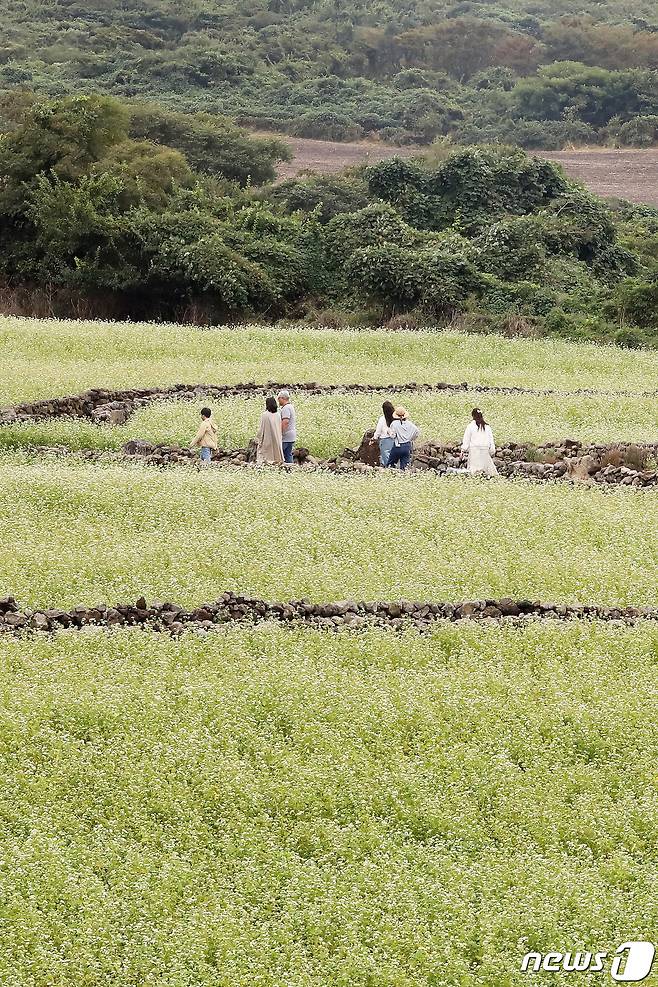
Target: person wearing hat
(404,433)
(288,424)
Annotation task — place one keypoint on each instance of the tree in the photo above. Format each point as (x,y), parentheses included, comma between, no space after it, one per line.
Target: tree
(60,136)
(148,173)
(211,144)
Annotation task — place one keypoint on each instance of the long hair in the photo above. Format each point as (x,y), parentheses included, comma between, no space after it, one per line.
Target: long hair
(478,418)
(388,410)
(271,405)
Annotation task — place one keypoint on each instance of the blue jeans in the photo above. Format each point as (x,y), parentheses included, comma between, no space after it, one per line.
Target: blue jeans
(206,454)
(400,454)
(385,447)
(287,452)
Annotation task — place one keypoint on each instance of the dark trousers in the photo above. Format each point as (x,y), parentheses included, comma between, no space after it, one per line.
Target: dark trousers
(400,454)
(287,451)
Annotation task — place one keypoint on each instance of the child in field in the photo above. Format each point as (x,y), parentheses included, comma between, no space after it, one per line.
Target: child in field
(478,443)
(206,437)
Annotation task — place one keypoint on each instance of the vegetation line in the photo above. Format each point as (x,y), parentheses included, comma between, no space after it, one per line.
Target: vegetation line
(230,607)
(99,403)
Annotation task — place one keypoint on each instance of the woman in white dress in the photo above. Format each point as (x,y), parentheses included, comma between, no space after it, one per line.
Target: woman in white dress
(479,444)
(384,433)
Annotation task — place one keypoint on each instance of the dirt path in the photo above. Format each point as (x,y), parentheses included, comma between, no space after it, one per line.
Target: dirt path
(625,174)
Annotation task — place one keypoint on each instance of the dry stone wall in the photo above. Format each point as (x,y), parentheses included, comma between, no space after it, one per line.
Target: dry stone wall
(344,614)
(114,406)
(568,460)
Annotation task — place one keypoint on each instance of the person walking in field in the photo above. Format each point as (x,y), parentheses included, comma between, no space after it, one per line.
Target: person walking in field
(206,437)
(404,434)
(384,434)
(288,424)
(478,445)
(269,441)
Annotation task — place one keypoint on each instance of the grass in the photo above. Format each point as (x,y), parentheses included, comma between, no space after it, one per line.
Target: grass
(287,807)
(43,358)
(328,424)
(81,533)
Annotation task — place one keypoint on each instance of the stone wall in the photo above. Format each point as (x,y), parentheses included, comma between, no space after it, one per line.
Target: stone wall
(351,614)
(568,460)
(114,406)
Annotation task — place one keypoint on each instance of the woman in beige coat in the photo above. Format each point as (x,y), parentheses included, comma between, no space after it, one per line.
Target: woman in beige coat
(269,440)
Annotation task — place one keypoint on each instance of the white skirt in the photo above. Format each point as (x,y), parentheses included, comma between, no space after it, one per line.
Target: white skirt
(480,461)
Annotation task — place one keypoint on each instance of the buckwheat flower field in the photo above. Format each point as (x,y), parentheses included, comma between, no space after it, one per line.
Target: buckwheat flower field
(42,358)
(91,533)
(276,804)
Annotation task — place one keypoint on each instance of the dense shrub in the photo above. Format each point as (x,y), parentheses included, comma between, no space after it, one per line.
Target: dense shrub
(85,208)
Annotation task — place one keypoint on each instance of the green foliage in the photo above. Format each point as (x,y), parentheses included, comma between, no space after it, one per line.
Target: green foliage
(469,188)
(532,73)
(148,173)
(326,195)
(486,229)
(596,94)
(211,144)
(64,137)
(637,300)
(373,226)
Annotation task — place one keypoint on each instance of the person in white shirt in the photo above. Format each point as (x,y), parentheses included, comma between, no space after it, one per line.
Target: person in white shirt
(384,434)
(479,445)
(404,433)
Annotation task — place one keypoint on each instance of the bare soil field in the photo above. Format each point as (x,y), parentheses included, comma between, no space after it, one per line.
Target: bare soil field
(331,156)
(624,174)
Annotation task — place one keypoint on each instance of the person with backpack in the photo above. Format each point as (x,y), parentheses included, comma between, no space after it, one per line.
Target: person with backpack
(478,444)
(206,437)
(404,433)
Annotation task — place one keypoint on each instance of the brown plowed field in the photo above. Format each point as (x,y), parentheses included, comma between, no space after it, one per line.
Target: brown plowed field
(626,174)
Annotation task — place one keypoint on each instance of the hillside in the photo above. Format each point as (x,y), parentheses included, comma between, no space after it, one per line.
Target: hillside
(113,208)
(536,74)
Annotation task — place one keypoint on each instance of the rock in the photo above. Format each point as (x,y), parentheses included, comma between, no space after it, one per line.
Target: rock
(580,470)
(15,619)
(368,450)
(40,622)
(137,447)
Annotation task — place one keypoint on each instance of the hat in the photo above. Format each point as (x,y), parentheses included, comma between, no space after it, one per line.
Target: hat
(284,393)
(400,413)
